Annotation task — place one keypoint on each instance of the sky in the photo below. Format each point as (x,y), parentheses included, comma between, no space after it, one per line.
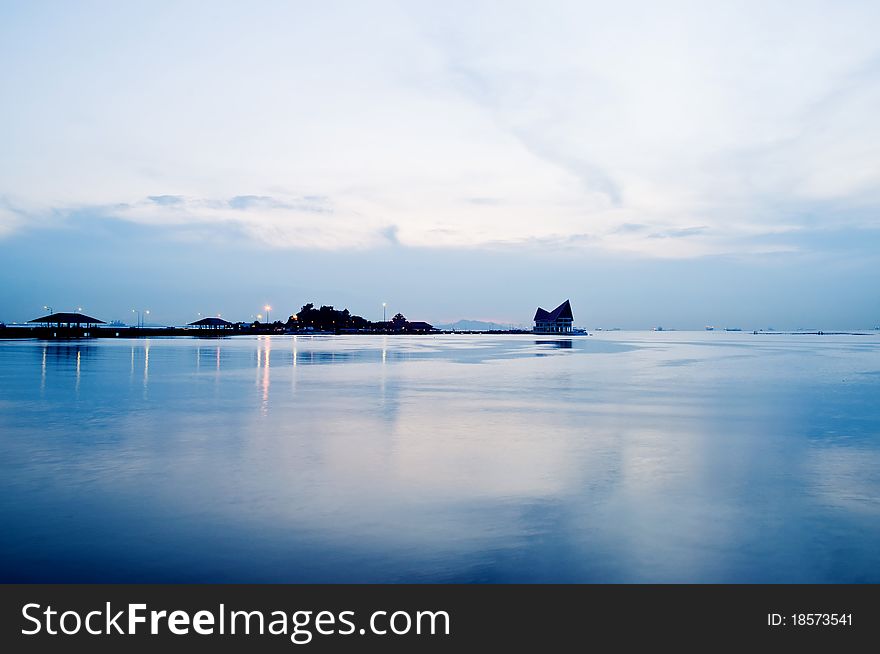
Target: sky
(676,164)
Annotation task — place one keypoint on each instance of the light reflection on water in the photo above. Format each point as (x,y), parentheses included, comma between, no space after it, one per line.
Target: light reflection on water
(617,457)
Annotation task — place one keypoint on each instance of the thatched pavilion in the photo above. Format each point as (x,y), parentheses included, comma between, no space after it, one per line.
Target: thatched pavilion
(211,323)
(68,320)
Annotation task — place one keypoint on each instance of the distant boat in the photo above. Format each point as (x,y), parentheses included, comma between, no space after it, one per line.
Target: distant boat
(658,329)
(709,328)
(732,329)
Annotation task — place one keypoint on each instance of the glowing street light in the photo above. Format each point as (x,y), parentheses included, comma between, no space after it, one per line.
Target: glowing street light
(268,309)
(384,304)
(140,316)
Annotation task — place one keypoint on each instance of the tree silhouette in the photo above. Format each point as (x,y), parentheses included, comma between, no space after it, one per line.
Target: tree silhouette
(326,318)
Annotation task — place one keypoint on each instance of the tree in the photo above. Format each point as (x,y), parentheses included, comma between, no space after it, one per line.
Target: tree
(326,318)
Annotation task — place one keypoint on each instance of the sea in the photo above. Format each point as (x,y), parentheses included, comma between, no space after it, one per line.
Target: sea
(621,457)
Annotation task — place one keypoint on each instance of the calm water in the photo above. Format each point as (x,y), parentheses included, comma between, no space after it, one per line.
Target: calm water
(620,457)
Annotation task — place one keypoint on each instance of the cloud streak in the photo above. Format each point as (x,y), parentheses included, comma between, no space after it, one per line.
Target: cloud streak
(672,131)
(295,222)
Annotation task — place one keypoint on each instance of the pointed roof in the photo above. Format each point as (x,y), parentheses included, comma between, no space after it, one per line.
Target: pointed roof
(69,317)
(562,311)
(211,322)
(541,314)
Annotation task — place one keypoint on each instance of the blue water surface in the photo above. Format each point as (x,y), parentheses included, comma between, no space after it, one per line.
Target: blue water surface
(618,457)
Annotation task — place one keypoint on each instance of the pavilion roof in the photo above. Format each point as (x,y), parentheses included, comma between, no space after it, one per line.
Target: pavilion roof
(210,322)
(69,317)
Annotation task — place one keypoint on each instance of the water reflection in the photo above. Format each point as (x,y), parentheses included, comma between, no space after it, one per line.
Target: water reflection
(146,365)
(293,366)
(264,354)
(441,459)
(560,344)
(62,360)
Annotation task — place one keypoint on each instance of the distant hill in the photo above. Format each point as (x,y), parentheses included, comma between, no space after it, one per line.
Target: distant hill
(475,326)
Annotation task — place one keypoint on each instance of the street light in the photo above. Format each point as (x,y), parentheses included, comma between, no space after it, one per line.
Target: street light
(140,316)
(48,308)
(384,304)
(268,309)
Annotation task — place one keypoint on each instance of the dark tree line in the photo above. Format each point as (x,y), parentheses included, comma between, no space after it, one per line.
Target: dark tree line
(326,318)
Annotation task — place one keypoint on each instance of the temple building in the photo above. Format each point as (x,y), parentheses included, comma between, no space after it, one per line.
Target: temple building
(557,321)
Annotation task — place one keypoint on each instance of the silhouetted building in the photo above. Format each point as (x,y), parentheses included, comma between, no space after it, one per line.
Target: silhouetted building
(558,321)
(72,319)
(399,323)
(211,323)
(418,326)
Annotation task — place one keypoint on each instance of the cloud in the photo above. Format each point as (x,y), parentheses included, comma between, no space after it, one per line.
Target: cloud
(255,201)
(684,232)
(312,203)
(630,227)
(661,131)
(390,233)
(9,221)
(293,222)
(166,200)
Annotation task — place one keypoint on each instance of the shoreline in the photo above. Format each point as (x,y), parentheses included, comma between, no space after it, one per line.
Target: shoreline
(66,334)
